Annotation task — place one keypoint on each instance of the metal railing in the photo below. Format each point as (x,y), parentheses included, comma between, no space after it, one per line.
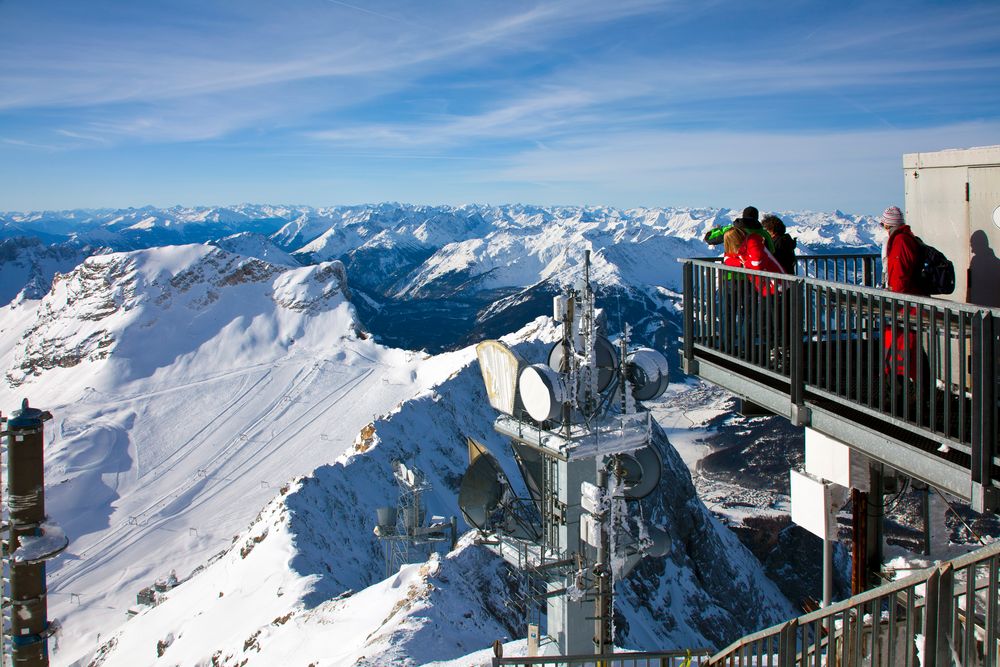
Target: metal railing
(858,269)
(653,659)
(928,366)
(942,615)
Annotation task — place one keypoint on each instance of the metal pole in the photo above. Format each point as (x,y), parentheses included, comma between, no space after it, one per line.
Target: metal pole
(29,627)
(827,572)
(859,534)
(926,511)
(876,519)
(688,316)
(827,588)
(602,601)
(567,359)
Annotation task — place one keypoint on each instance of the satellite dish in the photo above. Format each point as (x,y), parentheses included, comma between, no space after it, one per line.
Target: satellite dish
(542,392)
(661,545)
(607,361)
(500,367)
(641,470)
(648,371)
(481,501)
(481,490)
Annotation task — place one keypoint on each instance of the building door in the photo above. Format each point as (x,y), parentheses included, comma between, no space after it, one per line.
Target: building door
(984,236)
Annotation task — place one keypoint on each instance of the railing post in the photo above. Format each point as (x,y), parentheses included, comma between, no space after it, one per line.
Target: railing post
(984,407)
(869,271)
(938,616)
(689,365)
(932,590)
(796,352)
(787,644)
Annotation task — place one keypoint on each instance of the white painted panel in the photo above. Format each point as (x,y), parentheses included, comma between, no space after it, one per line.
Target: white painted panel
(500,367)
(590,497)
(812,504)
(590,530)
(831,459)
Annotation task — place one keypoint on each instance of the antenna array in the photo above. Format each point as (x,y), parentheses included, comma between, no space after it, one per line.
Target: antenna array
(583,446)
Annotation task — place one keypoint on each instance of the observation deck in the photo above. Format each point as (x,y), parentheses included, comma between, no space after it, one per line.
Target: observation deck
(910,382)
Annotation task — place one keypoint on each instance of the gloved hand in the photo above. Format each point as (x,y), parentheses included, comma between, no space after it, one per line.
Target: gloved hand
(713,236)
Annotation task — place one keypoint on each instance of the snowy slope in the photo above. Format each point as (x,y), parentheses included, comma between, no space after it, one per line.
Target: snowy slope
(250,607)
(187,384)
(311,571)
(251,244)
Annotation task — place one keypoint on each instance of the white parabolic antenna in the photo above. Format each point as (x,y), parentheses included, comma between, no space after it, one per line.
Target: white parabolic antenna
(649,372)
(542,392)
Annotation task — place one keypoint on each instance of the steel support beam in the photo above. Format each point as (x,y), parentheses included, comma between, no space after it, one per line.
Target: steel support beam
(914,462)
(985,497)
(755,392)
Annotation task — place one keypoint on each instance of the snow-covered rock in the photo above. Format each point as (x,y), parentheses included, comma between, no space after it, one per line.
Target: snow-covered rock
(252,244)
(27,266)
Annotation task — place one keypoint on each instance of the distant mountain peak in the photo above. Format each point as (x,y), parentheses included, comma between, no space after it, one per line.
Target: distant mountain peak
(177,297)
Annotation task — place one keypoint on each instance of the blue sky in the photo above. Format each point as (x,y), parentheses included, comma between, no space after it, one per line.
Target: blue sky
(786,105)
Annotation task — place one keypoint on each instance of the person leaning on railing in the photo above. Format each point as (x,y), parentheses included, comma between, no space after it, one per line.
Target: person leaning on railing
(784,244)
(747,249)
(749,222)
(901,271)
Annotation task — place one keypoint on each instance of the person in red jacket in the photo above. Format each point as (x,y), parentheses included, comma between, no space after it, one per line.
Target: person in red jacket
(900,254)
(901,273)
(754,254)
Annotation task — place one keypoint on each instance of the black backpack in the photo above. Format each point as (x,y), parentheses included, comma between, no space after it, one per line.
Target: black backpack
(937,273)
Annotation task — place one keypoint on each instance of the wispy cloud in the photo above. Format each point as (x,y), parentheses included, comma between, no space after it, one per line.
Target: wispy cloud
(531,84)
(780,169)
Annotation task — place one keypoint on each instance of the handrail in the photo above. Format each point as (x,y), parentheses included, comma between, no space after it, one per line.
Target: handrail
(673,658)
(833,284)
(953,615)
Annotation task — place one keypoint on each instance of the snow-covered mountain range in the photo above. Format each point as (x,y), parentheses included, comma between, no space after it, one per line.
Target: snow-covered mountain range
(222,412)
(438,277)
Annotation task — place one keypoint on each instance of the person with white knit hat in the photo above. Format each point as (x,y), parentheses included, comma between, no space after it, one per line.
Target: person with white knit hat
(900,254)
(901,273)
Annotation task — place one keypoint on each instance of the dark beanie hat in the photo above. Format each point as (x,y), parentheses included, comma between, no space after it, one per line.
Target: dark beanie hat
(750,218)
(750,213)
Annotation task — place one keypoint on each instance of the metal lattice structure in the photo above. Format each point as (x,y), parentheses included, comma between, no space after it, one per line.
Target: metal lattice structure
(402,529)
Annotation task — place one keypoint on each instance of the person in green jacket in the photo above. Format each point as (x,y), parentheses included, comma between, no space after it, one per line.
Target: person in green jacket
(748,222)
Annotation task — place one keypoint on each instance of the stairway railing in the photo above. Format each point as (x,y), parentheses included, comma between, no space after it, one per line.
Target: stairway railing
(946,614)
(651,659)
(942,615)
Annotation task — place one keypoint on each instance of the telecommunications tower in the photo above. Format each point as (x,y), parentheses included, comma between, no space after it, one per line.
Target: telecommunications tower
(402,529)
(583,445)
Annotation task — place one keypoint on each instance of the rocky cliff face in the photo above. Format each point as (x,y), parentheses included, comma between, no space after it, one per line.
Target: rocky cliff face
(27,266)
(107,297)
